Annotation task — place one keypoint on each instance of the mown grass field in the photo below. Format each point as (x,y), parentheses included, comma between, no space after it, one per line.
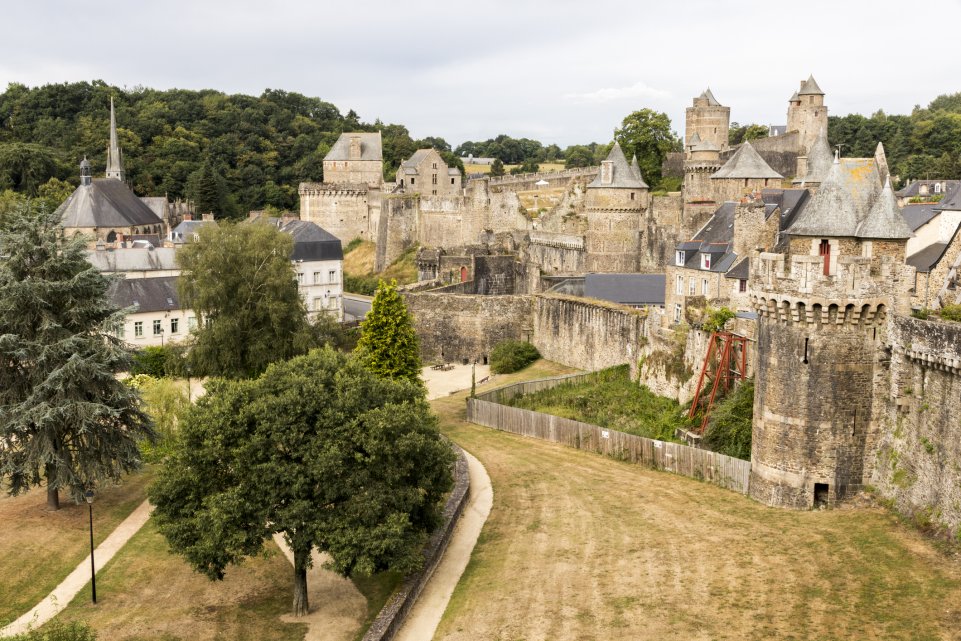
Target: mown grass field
(39,548)
(582,547)
(486,169)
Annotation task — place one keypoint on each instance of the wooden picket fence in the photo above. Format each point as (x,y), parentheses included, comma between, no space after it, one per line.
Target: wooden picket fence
(719,469)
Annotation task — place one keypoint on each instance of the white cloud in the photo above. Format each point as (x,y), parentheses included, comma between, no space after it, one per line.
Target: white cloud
(639,89)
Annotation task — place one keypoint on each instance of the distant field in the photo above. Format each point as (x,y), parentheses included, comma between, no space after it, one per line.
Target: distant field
(485,169)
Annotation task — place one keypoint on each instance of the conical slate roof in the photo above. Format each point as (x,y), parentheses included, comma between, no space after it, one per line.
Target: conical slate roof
(623,176)
(820,159)
(696,138)
(105,202)
(884,221)
(810,87)
(831,212)
(636,168)
(711,100)
(705,145)
(746,163)
(881,159)
(794,97)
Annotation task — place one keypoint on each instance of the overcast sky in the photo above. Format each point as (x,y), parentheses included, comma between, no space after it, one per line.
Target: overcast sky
(559,71)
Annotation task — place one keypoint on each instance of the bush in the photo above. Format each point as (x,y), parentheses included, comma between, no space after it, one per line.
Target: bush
(150,361)
(57,631)
(717,318)
(354,244)
(365,285)
(951,312)
(922,313)
(729,426)
(512,356)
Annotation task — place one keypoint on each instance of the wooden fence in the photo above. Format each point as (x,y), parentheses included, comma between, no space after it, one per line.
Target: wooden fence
(719,469)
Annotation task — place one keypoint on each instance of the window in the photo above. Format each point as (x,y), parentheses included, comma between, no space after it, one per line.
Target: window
(433,179)
(937,188)
(632,195)
(704,286)
(677,312)
(333,276)
(433,192)
(138,329)
(318,304)
(412,180)
(452,181)
(300,278)
(316,278)
(174,325)
(679,258)
(433,165)
(742,285)
(692,287)
(158,327)
(705,261)
(191,322)
(680,286)
(824,249)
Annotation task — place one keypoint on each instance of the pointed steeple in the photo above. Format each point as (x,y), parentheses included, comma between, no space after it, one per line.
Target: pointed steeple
(882,161)
(885,221)
(114,158)
(709,96)
(810,87)
(819,159)
(636,168)
(616,172)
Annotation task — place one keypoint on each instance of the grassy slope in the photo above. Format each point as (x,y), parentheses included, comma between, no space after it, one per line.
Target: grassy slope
(359,266)
(582,547)
(39,548)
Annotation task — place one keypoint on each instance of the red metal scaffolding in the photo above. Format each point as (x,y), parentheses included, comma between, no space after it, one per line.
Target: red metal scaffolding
(724,365)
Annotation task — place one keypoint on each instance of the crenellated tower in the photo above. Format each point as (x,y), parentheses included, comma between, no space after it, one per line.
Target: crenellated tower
(616,201)
(703,161)
(822,321)
(807,114)
(707,119)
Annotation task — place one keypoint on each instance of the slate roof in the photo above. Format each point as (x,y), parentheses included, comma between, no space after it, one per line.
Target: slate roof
(623,177)
(714,238)
(810,87)
(914,188)
(416,158)
(711,100)
(927,258)
(626,289)
(311,242)
(741,271)
(705,145)
(952,201)
(884,220)
(146,294)
(186,229)
(916,216)
(696,138)
(746,163)
(105,203)
(794,98)
(636,168)
(371,147)
(819,160)
(843,201)
(157,204)
(790,201)
(133,259)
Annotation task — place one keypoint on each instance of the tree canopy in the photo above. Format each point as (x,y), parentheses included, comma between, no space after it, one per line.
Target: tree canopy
(64,416)
(239,280)
(318,449)
(647,134)
(388,344)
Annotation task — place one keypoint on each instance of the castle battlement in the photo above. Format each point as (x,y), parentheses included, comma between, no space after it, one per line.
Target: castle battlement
(333,189)
(853,278)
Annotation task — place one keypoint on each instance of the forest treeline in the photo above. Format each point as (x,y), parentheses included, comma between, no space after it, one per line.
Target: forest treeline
(248,152)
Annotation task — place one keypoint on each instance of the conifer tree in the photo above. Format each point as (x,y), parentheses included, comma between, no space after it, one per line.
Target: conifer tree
(388,345)
(64,416)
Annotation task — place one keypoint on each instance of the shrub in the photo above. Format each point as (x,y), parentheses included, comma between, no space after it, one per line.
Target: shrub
(922,313)
(57,631)
(512,356)
(150,361)
(951,312)
(716,318)
(729,426)
(352,245)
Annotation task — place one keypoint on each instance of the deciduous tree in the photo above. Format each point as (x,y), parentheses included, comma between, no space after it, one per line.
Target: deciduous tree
(648,134)
(318,449)
(64,416)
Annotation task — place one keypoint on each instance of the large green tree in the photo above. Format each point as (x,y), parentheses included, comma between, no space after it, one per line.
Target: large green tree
(647,133)
(64,416)
(239,280)
(388,343)
(318,449)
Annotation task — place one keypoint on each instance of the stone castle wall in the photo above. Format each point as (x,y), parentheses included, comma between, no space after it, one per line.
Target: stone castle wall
(397,229)
(527,182)
(347,211)
(917,464)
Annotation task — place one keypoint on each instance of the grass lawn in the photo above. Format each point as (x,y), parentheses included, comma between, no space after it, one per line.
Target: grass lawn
(39,548)
(359,272)
(147,593)
(610,399)
(579,546)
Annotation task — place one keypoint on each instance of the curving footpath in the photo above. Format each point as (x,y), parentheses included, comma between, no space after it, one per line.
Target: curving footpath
(77,580)
(425,616)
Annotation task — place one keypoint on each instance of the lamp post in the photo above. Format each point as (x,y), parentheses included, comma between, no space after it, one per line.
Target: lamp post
(93,571)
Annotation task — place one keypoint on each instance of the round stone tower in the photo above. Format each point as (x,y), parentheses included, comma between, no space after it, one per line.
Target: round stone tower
(616,201)
(709,120)
(822,311)
(702,162)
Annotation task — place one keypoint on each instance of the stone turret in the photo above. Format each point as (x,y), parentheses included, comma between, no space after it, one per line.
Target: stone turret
(702,162)
(744,173)
(807,114)
(709,120)
(817,163)
(114,155)
(85,177)
(822,311)
(615,202)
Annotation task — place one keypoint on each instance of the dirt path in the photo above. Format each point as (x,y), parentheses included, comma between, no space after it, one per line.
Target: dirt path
(61,596)
(337,608)
(426,615)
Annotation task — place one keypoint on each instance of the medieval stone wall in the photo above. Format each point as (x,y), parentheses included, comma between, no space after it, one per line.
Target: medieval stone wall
(397,229)
(455,327)
(918,460)
(347,211)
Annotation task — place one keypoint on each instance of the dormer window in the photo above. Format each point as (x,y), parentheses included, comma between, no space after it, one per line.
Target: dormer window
(705,261)
(937,188)
(679,258)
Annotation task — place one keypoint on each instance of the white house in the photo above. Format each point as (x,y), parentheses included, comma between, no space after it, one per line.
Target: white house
(318,259)
(155,317)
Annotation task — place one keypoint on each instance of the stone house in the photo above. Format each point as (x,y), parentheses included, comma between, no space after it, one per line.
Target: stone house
(155,316)
(744,173)
(356,158)
(425,172)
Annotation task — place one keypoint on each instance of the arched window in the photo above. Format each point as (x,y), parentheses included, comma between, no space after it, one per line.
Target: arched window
(112,236)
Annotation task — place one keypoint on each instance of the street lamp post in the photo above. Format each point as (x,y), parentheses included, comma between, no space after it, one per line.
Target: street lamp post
(93,571)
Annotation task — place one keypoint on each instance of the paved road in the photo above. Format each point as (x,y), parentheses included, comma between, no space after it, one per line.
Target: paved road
(356,306)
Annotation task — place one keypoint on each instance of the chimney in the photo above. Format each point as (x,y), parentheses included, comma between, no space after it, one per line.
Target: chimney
(188,216)
(208,216)
(354,153)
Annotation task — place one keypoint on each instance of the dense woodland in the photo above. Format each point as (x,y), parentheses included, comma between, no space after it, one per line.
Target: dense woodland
(234,153)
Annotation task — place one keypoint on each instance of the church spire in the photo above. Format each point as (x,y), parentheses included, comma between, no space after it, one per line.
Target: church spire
(114,158)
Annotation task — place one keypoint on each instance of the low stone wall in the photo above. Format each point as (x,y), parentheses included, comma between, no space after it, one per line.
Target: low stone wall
(392,616)
(485,409)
